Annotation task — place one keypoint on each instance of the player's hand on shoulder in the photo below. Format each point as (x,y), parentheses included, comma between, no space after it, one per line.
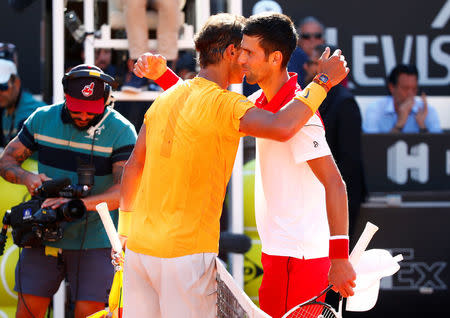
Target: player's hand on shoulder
(151,66)
(335,66)
(342,277)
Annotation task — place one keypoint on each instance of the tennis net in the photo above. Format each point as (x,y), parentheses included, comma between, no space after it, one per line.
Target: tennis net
(232,302)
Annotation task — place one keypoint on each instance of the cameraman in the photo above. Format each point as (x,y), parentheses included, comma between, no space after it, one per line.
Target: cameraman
(81,130)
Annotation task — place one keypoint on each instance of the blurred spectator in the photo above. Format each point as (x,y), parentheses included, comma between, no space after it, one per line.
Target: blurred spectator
(298,59)
(103,59)
(185,65)
(137,34)
(20,5)
(342,120)
(402,111)
(8,52)
(16,104)
(310,32)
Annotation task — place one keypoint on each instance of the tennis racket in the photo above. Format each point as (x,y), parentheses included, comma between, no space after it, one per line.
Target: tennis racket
(103,211)
(316,309)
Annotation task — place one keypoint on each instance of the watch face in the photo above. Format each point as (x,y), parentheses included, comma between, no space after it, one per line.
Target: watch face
(323,78)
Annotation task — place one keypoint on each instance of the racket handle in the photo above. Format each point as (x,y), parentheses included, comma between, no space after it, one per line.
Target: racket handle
(103,211)
(362,243)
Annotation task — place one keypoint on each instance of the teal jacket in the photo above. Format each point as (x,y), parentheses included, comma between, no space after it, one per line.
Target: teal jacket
(11,124)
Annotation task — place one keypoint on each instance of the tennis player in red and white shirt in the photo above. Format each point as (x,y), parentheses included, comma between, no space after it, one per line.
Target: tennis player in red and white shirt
(300,195)
(291,211)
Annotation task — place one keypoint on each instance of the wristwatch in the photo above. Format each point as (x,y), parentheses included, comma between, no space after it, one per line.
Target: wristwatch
(323,80)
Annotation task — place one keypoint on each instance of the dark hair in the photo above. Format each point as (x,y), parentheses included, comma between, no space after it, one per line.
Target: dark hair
(276,32)
(219,31)
(409,69)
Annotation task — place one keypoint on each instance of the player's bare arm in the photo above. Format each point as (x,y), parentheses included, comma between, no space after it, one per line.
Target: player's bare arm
(284,124)
(280,126)
(131,178)
(341,274)
(11,160)
(327,173)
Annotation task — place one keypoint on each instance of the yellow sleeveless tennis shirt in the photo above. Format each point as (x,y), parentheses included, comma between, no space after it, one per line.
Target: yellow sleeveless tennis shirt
(192,135)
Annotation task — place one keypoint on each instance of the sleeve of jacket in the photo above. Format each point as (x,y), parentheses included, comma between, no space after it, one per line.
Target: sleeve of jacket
(349,152)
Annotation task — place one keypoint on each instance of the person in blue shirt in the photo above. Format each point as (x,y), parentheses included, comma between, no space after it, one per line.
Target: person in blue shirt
(16,103)
(403,111)
(296,65)
(311,34)
(82,130)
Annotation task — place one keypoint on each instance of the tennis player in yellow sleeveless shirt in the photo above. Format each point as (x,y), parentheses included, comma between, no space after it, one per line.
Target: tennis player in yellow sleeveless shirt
(174,183)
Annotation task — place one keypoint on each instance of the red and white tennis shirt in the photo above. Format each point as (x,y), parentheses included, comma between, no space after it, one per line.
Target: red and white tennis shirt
(290,202)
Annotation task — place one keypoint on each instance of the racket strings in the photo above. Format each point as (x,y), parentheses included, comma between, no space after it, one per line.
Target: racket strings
(313,311)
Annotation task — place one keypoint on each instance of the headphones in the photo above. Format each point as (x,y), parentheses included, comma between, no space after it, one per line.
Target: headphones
(85,70)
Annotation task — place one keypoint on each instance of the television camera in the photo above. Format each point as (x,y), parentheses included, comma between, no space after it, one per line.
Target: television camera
(32,225)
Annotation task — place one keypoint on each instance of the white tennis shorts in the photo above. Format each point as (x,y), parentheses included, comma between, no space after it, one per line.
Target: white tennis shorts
(169,287)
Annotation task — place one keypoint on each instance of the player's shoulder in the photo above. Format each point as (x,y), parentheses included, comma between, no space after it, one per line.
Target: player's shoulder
(314,121)
(313,129)
(226,97)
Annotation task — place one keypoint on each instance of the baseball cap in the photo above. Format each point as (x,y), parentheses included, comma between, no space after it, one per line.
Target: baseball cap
(85,94)
(7,68)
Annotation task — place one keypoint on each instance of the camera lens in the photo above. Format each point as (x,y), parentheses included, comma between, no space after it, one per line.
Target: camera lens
(72,210)
(86,174)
